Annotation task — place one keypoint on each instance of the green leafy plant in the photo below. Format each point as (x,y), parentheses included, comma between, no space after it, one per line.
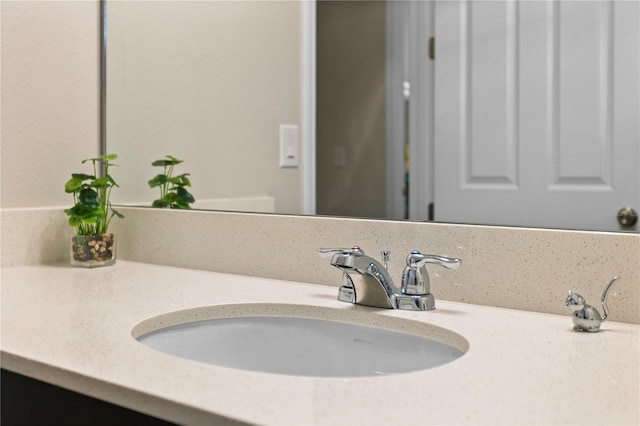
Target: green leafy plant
(172,188)
(92,211)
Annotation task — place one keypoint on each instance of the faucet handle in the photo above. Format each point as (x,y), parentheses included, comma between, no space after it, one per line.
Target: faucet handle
(418,260)
(329,252)
(415,278)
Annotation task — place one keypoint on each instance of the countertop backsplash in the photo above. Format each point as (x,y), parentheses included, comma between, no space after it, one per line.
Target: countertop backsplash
(519,268)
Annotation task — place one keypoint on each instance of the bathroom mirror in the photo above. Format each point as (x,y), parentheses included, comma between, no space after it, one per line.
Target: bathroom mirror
(261,122)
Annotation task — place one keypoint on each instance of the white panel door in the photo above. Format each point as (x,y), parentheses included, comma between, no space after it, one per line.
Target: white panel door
(537,112)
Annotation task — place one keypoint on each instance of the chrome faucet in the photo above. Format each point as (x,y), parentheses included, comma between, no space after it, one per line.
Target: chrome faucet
(365,281)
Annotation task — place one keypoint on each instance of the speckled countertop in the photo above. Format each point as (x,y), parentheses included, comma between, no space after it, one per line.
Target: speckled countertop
(73,327)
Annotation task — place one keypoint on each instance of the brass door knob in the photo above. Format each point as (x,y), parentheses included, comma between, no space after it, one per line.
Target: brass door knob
(627,217)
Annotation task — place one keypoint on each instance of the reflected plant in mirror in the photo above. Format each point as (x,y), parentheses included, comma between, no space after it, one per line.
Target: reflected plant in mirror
(173,194)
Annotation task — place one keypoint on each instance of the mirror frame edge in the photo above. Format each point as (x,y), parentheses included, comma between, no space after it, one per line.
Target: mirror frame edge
(102,64)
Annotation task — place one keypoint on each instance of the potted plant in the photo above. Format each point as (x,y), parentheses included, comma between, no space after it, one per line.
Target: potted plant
(173,194)
(91,215)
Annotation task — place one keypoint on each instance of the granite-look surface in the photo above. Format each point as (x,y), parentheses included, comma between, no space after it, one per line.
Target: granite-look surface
(519,268)
(34,236)
(73,327)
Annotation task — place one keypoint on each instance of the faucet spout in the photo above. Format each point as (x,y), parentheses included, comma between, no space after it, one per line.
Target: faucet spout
(371,281)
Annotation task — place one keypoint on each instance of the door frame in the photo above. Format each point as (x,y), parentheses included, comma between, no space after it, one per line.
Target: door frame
(308,106)
(410,25)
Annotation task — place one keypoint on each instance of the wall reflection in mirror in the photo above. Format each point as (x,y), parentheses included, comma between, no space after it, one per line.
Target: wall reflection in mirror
(512,113)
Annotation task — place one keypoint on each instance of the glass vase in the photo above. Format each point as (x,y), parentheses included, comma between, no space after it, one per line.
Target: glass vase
(91,251)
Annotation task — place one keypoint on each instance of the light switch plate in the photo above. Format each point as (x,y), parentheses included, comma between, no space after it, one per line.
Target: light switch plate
(288,145)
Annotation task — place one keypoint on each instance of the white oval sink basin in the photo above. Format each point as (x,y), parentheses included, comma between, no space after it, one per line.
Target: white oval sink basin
(300,346)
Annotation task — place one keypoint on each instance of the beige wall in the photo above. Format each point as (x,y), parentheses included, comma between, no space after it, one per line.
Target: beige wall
(208,82)
(50,97)
(50,100)
(351,108)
